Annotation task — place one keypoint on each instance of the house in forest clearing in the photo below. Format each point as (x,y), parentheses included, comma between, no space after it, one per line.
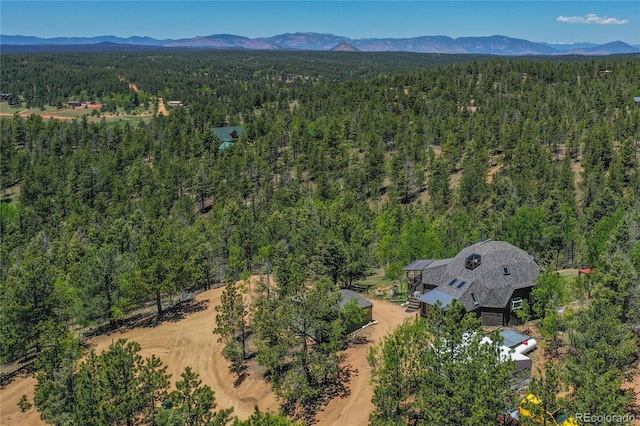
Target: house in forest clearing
(228,135)
(365,305)
(490,278)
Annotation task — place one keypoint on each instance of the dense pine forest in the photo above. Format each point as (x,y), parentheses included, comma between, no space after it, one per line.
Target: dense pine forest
(350,163)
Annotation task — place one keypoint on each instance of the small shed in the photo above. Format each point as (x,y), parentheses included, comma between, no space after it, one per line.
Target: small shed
(587,271)
(365,305)
(522,362)
(512,338)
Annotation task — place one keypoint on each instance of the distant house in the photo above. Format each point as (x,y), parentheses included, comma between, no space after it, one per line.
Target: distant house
(365,305)
(225,145)
(175,103)
(228,135)
(490,278)
(74,104)
(4,97)
(636,99)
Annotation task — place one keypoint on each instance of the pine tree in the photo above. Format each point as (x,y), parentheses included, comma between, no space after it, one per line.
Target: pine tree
(438,370)
(192,404)
(298,337)
(232,326)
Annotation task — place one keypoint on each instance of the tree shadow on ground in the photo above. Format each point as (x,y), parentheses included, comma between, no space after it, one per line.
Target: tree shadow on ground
(175,313)
(24,369)
(306,410)
(358,340)
(240,379)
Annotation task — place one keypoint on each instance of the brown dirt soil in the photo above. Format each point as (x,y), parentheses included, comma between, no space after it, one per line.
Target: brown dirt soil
(190,342)
(162,108)
(492,171)
(635,385)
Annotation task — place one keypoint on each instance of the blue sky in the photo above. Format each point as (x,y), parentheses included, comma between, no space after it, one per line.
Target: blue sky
(550,21)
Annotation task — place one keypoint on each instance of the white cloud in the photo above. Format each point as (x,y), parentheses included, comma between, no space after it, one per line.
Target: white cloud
(592,18)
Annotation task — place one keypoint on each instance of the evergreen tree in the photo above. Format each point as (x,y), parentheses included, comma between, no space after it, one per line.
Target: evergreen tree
(298,337)
(192,404)
(439,370)
(232,326)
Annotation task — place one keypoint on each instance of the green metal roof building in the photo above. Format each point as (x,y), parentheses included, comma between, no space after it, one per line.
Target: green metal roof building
(228,135)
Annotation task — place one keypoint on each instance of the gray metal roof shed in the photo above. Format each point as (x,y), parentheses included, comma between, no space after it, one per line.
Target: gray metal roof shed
(512,338)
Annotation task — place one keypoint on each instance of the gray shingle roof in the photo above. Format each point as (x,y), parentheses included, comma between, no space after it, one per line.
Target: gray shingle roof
(348,295)
(433,273)
(491,285)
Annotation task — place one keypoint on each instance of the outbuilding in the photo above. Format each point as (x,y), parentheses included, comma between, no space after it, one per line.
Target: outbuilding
(365,305)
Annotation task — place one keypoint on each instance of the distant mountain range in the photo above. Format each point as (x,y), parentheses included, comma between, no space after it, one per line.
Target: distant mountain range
(492,45)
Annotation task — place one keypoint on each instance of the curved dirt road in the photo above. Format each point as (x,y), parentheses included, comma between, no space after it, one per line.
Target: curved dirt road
(190,342)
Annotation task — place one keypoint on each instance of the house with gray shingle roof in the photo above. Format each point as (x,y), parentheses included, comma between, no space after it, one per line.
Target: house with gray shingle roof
(490,278)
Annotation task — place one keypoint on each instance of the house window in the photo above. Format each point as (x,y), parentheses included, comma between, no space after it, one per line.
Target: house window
(475,299)
(462,283)
(506,271)
(472,261)
(452,282)
(516,303)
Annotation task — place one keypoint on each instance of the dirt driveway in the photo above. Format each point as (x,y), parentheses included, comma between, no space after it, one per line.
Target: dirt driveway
(190,342)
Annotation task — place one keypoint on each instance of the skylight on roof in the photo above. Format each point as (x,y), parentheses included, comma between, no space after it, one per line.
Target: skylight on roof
(453,281)
(462,283)
(506,271)
(472,261)
(475,299)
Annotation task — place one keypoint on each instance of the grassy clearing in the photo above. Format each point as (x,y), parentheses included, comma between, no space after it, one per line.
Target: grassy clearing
(71,113)
(9,211)
(5,108)
(379,287)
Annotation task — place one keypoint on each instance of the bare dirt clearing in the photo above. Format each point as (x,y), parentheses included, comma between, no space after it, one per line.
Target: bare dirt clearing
(190,342)
(162,108)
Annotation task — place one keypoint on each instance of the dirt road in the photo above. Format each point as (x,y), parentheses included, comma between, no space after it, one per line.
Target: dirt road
(190,342)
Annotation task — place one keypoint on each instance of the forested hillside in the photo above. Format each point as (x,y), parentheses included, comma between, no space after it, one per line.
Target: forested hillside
(349,162)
